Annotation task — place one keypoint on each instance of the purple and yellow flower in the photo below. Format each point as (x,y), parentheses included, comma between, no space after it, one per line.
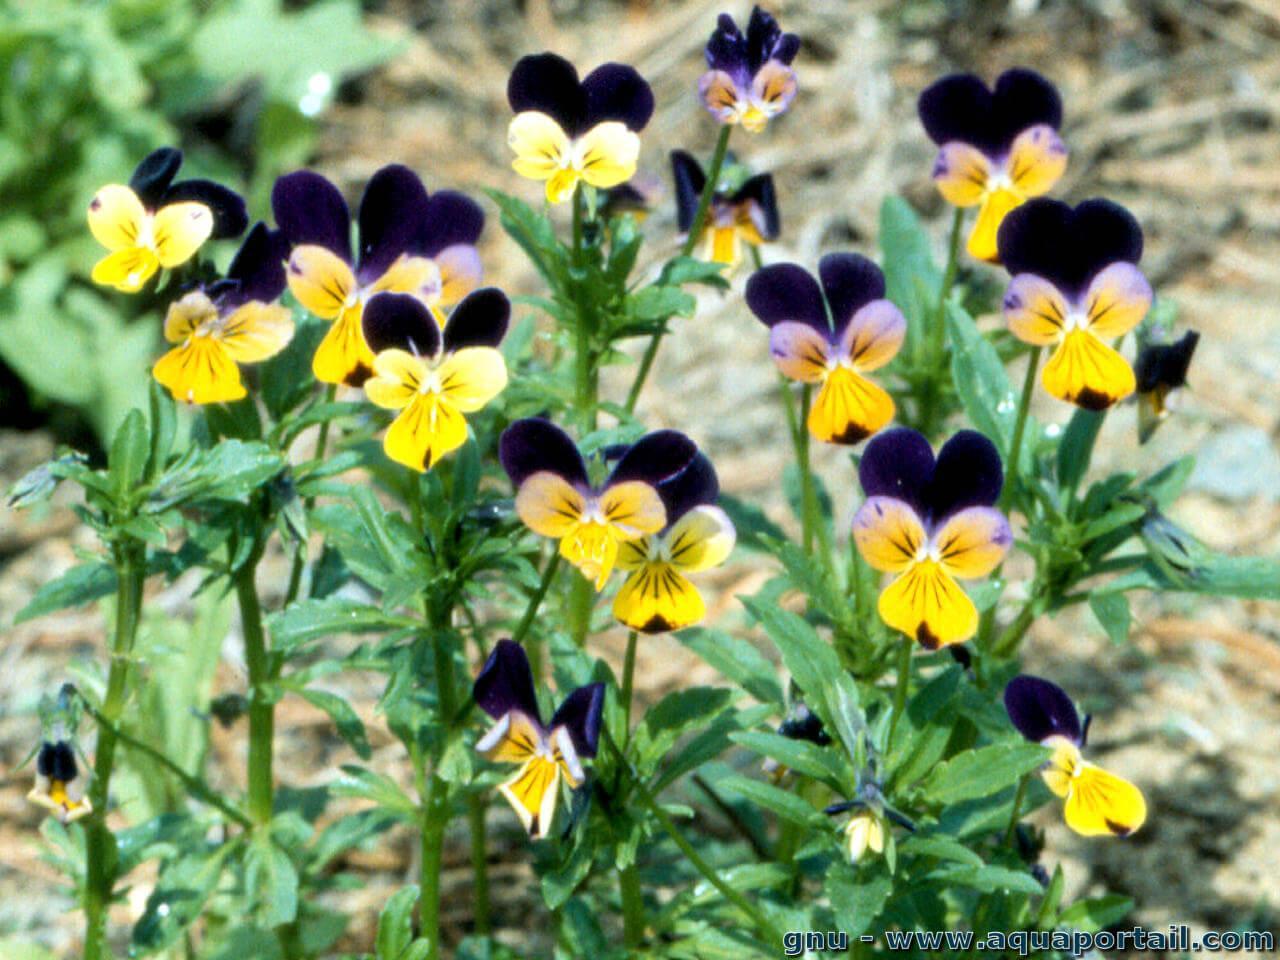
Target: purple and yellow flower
(636,197)
(233,321)
(409,243)
(58,786)
(546,754)
(1098,803)
(555,497)
(568,130)
(750,80)
(657,596)
(154,222)
(931,522)
(432,376)
(1075,285)
(832,335)
(747,216)
(1161,368)
(996,148)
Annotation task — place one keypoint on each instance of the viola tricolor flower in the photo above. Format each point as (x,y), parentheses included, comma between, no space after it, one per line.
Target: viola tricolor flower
(233,321)
(657,596)
(1075,285)
(864,831)
(832,335)
(58,785)
(1098,803)
(568,130)
(555,497)
(930,522)
(154,222)
(748,215)
(1160,369)
(997,148)
(409,243)
(750,80)
(433,377)
(637,197)
(547,753)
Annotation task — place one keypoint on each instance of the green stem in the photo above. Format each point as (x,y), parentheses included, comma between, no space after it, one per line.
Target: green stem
(903,685)
(261,709)
(633,922)
(435,817)
(937,332)
(808,502)
(582,600)
(534,648)
(628,682)
(1013,634)
(476,807)
(100,843)
(1019,430)
(1016,811)
(300,556)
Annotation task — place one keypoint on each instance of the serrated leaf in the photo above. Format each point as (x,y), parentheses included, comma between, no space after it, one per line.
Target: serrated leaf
(801,756)
(375,787)
(990,879)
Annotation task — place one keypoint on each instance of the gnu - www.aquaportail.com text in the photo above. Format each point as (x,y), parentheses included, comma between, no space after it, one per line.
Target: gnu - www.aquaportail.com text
(1023,943)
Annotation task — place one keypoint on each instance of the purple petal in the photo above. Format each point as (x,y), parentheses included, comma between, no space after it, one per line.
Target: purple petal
(765,40)
(549,84)
(1022,99)
(961,107)
(1040,709)
(759,190)
(400,321)
(897,463)
(450,219)
(968,473)
(505,683)
(787,292)
(655,458)
(479,320)
(391,214)
(257,271)
(580,715)
(850,281)
(690,181)
(57,761)
(309,209)
(695,485)
(727,48)
(1165,364)
(1068,247)
(230,216)
(615,91)
(151,177)
(535,444)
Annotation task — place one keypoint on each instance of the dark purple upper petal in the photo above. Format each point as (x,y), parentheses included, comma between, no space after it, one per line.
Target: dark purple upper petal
(535,444)
(655,458)
(961,107)
(580,715)
(1040,709)
(727,47)
(310,209)
(400,321)
(1165,364)
(549,84)
(759,189)
(615,91)
(57,761)
(765,41)
(897,463)
(450,218)
(695,485)
(151,177)
(850,281)
(391,214)
(1068,247)
(787,292)
(505,683)
(257,271)
(230,215)
(690,181)
(479,320)
(968,473)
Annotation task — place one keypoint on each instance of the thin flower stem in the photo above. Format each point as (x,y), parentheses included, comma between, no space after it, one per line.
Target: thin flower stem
(1016,812)
(628,682)
(261,710)
(903,685)
(534,647)
(1019,430)
(476,808)
(300,556)
(582,600)
(937,332)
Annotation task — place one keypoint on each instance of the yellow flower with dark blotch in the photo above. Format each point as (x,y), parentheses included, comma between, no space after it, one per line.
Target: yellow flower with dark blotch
(1161,369)
(996,148)
(231,322)
(1075,286)
(749,80)
(58,785)
(1098,803)
(747,216)
(409,243)
(432,377)
(154,222)
(567,130)
(832,335)
(931,523)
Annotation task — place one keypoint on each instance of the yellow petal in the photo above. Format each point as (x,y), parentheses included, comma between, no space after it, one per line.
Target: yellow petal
(513,739)
(179,230)
(126,270)
(256,331)
(722,245)
(1062,766)
(548,505)
(561,184)
(425,431)
(201,371)
(1102,804)
(541,146)
(1087,372)
(703,538)
(927,604)
(606,154)
(1035,309)
(532,794)
(996,205)
(1117,300)
(343,356)
(397,377)
(888,533)
(961,173)
(849,408)
(116,217)
(184,317)
(633,509)
(406,275)
(657,598)
(973,542)
(1036,160)
(471,377)
(321,281)
(633,554)
(593,548)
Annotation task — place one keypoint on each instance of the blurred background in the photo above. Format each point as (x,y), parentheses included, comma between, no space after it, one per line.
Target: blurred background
(1172,108)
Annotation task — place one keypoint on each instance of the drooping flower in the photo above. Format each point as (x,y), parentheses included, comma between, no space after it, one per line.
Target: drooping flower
(930,522)
(433,377)
(555,497)
(409,243)
(657,596)
(832,335)
(870,826)
(546,754)
(233,321)
(1098,803)
(750,80)
(864,831)
(747,215)
(1075,285)
(154,222)
(997,148)
(568,130)
(637,197)
(58,786)
(1161,368)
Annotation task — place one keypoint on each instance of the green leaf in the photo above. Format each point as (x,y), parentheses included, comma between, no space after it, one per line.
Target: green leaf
(857,901)
(1075,449)
(1112,611)
(754,528)
(989,879)
(79,585)
(801,756)
(535,235)
(231,470)
(127,463)
(271,882)
(350,726)
(184,884)
(737,659)
(673,716)
(982,772)
(941,847)
(981,380)
(785,804)
(1181,562)
(683,270)
(375,787)
(912,279)
(309,620)
(1096,913)
(395,924)
(658,302)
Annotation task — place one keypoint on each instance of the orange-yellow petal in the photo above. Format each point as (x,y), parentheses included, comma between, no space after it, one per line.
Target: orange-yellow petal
(549,505)
(657,598)
(343,356)
(996,205)
(927,604)
(321,281)
(1085,371)
(256,331)
(849,408)
(201,371)
(889,534)
(961,173)
(973,542)
(1037,160)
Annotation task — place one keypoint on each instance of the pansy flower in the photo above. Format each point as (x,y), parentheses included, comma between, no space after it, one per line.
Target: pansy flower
(58,785)
(750,80)
(1098,803)
(997,148)
(546,754)
(657,595)
(154,222)
(931,522)
(832,335)
(747,215)
(432,376)
(233,321)
(1160,369)
(555,496)
(635,197)
(568,130)
(1075,285)
(409,243)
